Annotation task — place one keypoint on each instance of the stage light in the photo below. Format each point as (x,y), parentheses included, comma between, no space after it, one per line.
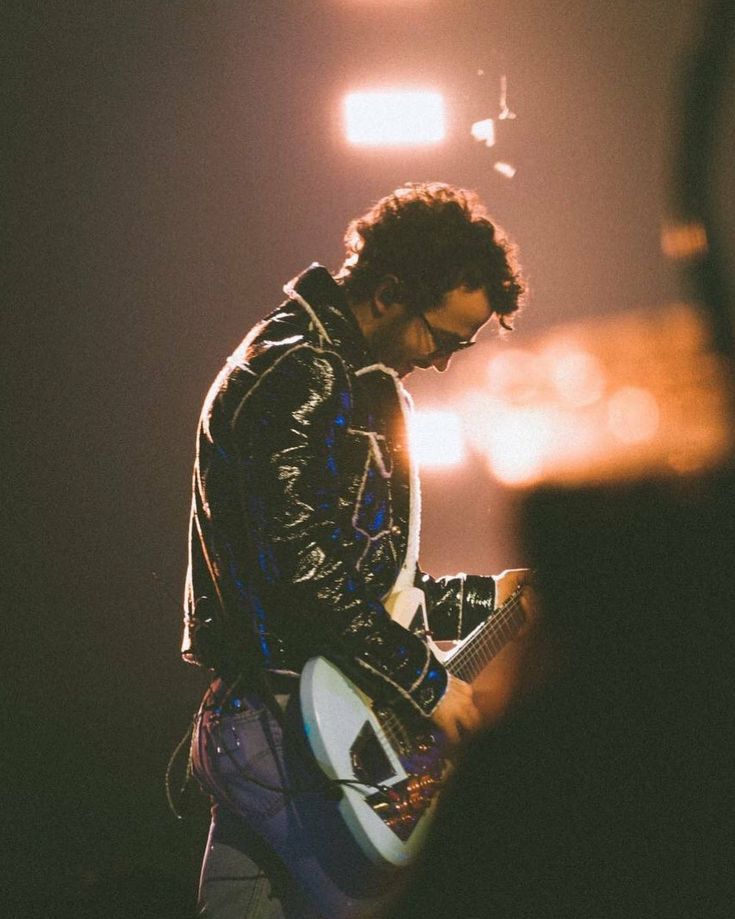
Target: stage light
(576,375)
(436,438)
(484,131)
(516,376)
(632,394)
(394,118)
(505,169)
(684,240)
(520,443)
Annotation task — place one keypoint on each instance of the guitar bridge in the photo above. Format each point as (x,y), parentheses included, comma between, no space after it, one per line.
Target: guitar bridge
(402,805)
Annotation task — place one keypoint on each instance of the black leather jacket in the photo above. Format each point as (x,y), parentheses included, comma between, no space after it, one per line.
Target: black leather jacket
(300,510)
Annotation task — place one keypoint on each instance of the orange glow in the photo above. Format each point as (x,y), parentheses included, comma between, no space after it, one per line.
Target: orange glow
(684,240)
(515,376)
(623,395)
(633,415)
(576,375)
(520,442)
(436,438)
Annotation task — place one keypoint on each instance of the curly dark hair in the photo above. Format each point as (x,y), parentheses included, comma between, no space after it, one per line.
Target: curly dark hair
(433,238)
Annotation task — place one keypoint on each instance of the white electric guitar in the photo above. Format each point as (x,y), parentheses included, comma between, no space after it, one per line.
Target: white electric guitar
(391,762)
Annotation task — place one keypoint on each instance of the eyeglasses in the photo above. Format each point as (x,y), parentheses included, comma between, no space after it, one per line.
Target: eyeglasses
(446,343)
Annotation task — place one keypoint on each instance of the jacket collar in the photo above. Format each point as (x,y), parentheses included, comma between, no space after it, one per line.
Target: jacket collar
(324,299)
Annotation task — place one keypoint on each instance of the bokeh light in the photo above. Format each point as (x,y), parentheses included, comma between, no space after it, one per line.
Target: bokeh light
(577,376)
(436,438)
(519,442)
(633,415)
(618,396)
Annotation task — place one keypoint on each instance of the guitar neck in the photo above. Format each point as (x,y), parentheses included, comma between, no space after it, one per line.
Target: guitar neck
(492,636)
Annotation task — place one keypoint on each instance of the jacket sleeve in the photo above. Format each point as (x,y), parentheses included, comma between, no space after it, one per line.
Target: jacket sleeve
(456,605)
(287,435)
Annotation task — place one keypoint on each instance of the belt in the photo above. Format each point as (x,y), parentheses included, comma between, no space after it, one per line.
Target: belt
(223,701)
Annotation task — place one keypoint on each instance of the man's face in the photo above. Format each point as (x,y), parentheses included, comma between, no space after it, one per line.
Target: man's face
(406,341)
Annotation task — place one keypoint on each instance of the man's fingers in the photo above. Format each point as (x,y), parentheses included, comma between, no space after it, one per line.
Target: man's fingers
(451,732)
(457,714)
(471,718)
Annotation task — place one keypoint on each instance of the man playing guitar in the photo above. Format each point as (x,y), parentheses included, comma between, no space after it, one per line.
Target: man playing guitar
(303,567)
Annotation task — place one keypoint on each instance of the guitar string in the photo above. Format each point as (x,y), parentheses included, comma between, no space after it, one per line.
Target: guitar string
(469,662)
(389,725)
(466,663)
(492,639)
(500,628)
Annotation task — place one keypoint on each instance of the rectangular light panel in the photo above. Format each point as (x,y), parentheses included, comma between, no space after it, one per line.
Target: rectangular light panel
(391,118)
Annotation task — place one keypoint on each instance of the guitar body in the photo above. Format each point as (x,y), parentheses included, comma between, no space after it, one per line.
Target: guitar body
(390,762)
(354,740)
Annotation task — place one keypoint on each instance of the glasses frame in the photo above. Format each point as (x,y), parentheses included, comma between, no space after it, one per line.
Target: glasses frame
(446,343)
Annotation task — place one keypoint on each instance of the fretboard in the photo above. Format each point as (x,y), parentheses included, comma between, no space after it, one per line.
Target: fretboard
(485,642)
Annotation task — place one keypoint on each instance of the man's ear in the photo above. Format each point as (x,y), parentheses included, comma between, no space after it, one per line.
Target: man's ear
(387,295)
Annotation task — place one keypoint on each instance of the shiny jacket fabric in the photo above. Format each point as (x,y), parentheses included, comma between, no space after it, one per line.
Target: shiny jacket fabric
(300,511)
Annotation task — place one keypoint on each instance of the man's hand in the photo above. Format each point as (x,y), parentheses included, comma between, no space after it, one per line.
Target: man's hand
(456,714)
(507,581)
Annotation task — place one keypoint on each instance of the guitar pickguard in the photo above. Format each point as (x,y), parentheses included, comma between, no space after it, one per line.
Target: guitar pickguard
(370,763)
(389,766)
(402,804)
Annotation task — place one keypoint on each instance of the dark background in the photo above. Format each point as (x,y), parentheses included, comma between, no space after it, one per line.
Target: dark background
(172,164)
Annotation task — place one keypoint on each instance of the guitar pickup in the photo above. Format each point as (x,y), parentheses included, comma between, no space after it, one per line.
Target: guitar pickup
(370,763)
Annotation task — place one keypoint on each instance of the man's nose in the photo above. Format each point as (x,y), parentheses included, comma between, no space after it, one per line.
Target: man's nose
(441,363)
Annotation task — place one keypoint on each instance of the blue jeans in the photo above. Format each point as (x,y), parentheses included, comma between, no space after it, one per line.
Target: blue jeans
(277,847)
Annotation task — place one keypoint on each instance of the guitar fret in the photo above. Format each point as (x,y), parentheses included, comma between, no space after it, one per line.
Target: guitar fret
(498,630)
